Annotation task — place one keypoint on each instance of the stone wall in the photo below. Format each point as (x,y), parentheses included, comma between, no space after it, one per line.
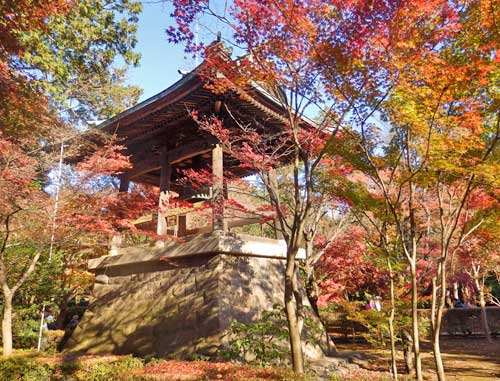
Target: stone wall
(460,321)
(456,322)
(177,307)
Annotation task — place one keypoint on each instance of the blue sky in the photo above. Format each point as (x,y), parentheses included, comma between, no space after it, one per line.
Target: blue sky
(160,59)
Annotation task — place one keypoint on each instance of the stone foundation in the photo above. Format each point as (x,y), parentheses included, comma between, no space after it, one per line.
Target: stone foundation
(150,302)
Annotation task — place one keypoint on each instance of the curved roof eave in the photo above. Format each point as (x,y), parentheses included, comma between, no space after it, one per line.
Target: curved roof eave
(151,100)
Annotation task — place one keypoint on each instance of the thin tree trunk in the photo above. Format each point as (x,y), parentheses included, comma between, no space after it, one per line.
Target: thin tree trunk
(63,311)
(484,316)
(7,323)
(407,340)
(292,317)
(299,300)
(311,287)
(312,293)
(394,365)
(414,285)
(8,294)
(414,320)
(482,304)
(438,306)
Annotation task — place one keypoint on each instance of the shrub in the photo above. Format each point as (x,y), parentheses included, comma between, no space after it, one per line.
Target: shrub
(265,341)
(26,326)
(260,341)
(372,325)
(122,369)
(25,369)
(52,338)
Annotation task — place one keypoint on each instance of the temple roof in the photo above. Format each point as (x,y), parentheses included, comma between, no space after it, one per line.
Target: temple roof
(172,106)
(163,122)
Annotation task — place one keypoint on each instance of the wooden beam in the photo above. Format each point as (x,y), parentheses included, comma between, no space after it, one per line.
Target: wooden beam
(177,157)
(174,156)
(237,222)
(148,133)
(165,172)
(150,179)
(167,122)
(143,167)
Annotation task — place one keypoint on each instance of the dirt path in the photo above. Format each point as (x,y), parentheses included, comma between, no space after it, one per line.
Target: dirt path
(465,359)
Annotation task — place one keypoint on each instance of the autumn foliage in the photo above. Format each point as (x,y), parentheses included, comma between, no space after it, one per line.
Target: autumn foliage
(380,115)
(346,269)
(22,104)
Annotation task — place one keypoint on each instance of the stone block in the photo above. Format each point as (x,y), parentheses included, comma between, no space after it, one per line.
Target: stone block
(102,279)
(197,302)
(206,279)
(154,308)
(190,284)
(210,326)
(178,290)
(211,295)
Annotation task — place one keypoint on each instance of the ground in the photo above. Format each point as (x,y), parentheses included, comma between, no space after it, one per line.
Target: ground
(465,359)
(32,366)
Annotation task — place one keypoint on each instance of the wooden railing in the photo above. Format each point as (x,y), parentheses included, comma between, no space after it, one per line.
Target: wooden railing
(177,224)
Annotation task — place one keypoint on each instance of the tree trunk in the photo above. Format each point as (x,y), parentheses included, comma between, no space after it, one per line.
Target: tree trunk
(8,294)
(7,324)
(482,304)
(438,307)
(63,311)
(484,316)
(312,292)
(438,360)
(412,257)
(414,320)
(407,341)
(293,317)
(311,288)
(394,366)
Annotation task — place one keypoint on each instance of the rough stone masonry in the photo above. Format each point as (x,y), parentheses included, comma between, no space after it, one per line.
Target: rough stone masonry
(179,300)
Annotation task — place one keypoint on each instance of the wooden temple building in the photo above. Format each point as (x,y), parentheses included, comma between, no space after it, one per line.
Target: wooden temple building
(162,140)
(178,299)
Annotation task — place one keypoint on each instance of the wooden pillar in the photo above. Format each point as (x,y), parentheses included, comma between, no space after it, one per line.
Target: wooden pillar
(218,223)
(124,183)
(117,239)
(182,230)
(165,174)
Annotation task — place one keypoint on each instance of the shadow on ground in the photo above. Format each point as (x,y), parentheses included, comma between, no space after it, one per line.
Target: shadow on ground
(467,359)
